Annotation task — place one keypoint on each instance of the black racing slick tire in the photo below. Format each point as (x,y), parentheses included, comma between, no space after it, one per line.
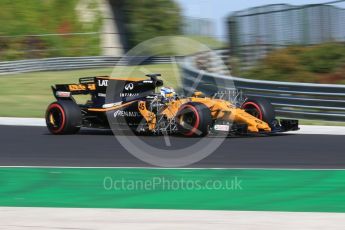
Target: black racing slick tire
(193,119)
(260,108)
(63,117)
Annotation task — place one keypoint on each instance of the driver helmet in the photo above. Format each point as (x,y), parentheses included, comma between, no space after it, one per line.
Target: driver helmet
(167,92)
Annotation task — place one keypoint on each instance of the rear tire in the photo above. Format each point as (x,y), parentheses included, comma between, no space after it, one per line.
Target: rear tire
(194,119)
(63,117)
(260,108)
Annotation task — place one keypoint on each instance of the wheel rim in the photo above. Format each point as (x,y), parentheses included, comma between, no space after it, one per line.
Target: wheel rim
(189,120)
(55,118)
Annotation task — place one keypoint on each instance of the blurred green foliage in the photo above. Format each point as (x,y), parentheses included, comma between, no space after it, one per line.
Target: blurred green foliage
(57,21)
(323,58)
(322,63)
(153,18)
(143,20)
(22,17)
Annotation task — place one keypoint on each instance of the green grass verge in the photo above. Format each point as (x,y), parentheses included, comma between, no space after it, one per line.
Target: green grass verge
(256,190)
(28,94)
(326,123)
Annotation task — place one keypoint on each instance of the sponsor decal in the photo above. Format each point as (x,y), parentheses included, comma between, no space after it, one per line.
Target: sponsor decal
(111,105)
(129,86)
(91,86)
(102,95)
(63,94)
(123,113)
(76,87)
(150,97)
(81,87)
(87,80)
(102,82)
(147,81)
(129,94)
(224,128)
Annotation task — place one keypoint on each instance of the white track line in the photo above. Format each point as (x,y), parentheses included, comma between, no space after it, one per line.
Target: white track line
(143,219)
(305,129)
(19,121)
(324,130)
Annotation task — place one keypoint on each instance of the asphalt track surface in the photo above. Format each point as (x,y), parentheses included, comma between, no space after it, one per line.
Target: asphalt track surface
(34,146)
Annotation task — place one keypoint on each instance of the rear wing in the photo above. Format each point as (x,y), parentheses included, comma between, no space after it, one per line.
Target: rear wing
(124,89)
(86,85)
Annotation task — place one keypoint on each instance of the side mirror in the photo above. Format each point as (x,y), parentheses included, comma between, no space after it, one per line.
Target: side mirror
(159,83)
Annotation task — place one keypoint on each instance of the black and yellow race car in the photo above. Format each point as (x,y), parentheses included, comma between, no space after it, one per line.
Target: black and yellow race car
(144,106)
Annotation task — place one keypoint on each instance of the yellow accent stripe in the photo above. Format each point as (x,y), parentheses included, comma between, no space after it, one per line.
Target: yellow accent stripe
(111,108)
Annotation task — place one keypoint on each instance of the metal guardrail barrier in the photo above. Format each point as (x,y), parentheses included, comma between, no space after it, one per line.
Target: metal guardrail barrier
(69,63)
(291,100)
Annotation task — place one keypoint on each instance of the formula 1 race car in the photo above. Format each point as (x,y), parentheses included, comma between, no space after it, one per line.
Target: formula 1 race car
(144,106)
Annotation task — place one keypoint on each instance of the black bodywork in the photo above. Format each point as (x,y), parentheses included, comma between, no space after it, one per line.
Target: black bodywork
(105,91)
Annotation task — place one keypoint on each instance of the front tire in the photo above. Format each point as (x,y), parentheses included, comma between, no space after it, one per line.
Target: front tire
(63,117)
(260,108)
(194,119)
